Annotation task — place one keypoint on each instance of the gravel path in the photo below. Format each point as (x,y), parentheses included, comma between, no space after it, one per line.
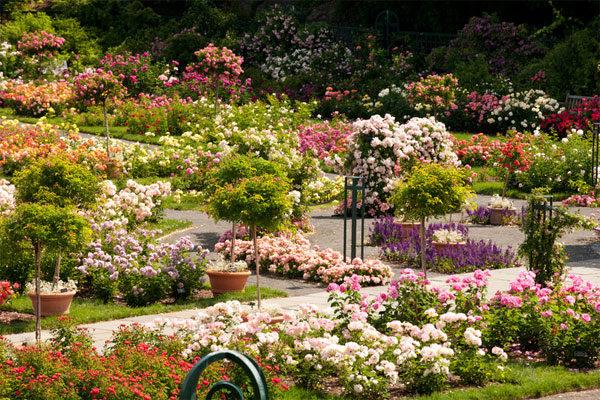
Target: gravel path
(582,246)
(585,395)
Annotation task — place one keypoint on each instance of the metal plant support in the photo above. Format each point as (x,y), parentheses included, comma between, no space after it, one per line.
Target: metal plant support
(250,367)
(354,185)
(387,24)
(542,210)
(595,154)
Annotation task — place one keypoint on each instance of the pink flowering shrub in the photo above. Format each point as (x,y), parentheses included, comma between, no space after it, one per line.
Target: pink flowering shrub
(477,151)
(324,139)
(583,200)
(216,74)
(563,322)
(97,87)
(433,94)
(137,72)
(294,257)
(40,43)
(480,106)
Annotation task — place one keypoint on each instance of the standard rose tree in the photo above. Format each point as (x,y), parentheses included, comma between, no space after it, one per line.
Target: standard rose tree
(46,227)
(431,190)
(97,88)
(258,202)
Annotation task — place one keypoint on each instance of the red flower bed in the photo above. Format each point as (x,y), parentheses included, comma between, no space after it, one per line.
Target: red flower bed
(580,117)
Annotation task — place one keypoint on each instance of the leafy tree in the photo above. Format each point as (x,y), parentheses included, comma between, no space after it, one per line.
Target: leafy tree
(45,226)
(258,202)
(431,190)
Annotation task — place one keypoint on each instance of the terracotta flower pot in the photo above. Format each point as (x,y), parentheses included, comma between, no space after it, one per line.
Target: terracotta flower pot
(407,227)
(439,246)
(499,215)
(52,303)
(223,282)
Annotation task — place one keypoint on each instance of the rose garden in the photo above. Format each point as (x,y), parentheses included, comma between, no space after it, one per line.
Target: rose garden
(174,185)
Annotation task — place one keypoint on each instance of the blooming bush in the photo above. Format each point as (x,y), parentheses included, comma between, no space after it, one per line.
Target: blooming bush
(381,149)
(294,257)
(40,43)
(581,200)
(324,140)
(216,74)
(155,115)
(323,190)
(36,99)
(433,94)
(522,110)
(582,116)
(399,246)
(137,71)
(7,291)
(97,87)
(476,151)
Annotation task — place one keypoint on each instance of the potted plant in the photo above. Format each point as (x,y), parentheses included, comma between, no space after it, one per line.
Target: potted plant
(501,209)
(55,297)
(227,276)
(406,227)
(447,238)
(46,227)
(430,190)
(258,202)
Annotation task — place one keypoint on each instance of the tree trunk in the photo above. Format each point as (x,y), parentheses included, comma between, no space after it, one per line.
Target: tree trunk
(56,277)
(257,263)
(232,254)
(37,250)
(505,183)
(423,246)
(106,132)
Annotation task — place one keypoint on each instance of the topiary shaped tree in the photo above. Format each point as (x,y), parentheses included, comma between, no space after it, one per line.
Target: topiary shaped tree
(231,170)
(57,182)
(431,190)
(258,202)
(46,226)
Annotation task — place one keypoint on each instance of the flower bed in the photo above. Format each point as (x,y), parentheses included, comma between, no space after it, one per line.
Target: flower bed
(295,258)
(580,117)
(397,245)
(36,99)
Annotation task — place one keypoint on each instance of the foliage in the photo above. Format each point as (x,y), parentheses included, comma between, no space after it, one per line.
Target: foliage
(546,256)
(431,190)
(260,201)
(56,181)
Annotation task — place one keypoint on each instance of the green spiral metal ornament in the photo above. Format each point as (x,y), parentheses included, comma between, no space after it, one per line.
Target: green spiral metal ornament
(250,367)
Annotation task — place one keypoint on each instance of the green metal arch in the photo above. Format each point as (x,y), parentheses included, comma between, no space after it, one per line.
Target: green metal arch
(250,367)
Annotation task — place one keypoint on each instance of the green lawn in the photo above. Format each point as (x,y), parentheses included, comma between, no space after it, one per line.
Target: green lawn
(85,311)
(168,225)
(116,132)
(525,382)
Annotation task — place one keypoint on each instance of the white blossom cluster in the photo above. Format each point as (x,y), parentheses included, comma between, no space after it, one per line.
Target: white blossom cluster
(7,197)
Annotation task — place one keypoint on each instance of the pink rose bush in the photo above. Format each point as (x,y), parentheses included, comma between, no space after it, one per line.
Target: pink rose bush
(582,200)
(96,87)
(294,257)
(40,43)
(325,139)
(137,72)
(382,149)
(217,73)
(413,337)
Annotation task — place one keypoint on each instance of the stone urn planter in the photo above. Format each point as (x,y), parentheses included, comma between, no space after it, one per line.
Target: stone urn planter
(441,246)
(499,215)
(53,303)
(223,282)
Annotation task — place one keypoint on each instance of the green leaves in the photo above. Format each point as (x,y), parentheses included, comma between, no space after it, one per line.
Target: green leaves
(431,190)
